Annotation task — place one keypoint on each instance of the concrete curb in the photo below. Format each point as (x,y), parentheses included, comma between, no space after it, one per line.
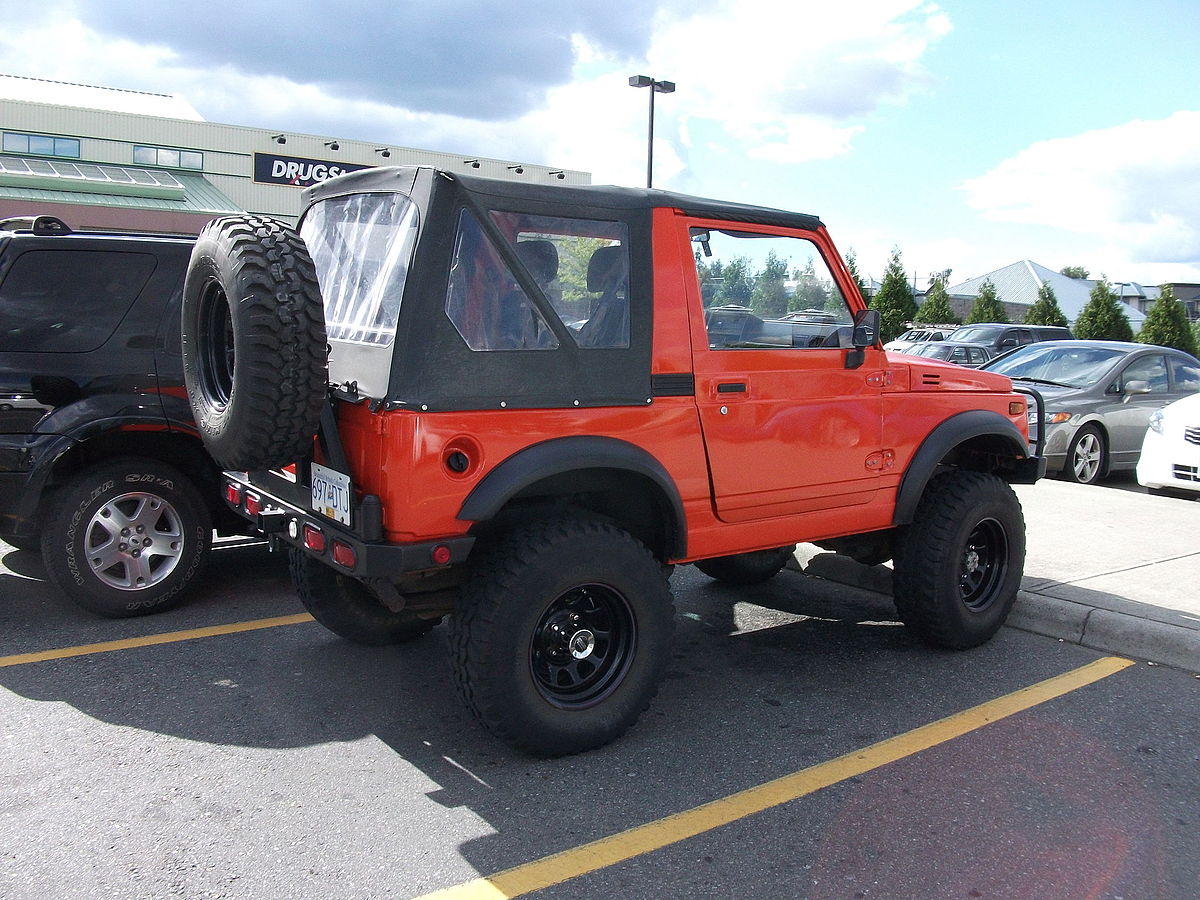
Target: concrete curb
(1079,616)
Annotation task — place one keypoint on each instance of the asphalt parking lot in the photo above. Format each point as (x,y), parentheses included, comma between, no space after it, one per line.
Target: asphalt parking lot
(803,745)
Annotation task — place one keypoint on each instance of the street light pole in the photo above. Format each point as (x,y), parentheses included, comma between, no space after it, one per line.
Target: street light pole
(656,87)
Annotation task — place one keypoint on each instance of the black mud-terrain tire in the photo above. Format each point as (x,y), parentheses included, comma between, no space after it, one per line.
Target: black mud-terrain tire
(126,537)
(1087,456)
(254,345)
(960,562)
(562,635)
(350,609)
(754,567)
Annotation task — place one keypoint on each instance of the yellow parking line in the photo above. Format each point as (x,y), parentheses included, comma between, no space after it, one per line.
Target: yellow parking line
(149,640)
(652,836)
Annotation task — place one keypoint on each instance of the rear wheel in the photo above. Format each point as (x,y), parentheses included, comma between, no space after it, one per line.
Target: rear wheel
(754,567)
(126,537)
(1086,456)
(961,560)
(350,608)
(562,635)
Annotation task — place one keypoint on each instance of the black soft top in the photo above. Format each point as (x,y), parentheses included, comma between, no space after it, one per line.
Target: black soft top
(403,179)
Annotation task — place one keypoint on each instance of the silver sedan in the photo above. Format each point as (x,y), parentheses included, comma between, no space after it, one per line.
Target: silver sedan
(1099,398)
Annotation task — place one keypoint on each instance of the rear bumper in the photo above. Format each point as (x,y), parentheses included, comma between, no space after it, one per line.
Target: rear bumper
(284,520)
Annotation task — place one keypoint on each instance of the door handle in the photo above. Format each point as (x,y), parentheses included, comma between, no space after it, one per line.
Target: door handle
(731,387)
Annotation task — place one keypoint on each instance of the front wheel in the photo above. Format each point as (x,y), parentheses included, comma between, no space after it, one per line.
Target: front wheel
(961,560)
(126,537)
(562,635)
(1086,457)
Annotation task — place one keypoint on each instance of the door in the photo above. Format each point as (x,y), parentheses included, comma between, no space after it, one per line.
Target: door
(788,426)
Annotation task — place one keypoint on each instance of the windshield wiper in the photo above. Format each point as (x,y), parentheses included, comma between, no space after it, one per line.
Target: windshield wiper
(1039,381)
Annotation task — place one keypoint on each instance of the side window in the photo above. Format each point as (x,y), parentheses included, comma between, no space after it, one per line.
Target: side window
(581,267)
(1187,375)
(768,292)
(1150,369)
(484,300)
(68,301)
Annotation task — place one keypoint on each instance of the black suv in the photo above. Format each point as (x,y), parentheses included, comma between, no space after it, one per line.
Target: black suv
(101,468)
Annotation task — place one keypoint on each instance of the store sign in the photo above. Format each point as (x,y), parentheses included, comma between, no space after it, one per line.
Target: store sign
(297,171)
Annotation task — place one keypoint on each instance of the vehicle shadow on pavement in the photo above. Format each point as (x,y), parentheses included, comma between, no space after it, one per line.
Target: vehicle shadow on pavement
(763,681)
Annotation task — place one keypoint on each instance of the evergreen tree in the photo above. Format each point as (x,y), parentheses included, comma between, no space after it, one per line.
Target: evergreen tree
(769,297)
(1102,319)
(894,300)
(738,284)
(852,265)
(1167,324)
(1045,311)
(812,292)
(1074,272)
(936,309)
(988,307)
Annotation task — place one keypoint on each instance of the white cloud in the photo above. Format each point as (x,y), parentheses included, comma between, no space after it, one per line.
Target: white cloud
(781,80)
(1135,187)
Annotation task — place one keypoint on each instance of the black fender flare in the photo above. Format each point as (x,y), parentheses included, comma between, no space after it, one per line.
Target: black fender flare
(942,441)
(559,456)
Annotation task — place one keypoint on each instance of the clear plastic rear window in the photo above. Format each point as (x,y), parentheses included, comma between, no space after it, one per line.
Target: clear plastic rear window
(362,246)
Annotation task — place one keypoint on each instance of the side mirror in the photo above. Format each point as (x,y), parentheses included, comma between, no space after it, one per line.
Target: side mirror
(1136,387)
(1008,342)
(866,328)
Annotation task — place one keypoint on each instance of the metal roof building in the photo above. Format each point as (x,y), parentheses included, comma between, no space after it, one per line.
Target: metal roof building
(102,158)
(1017,286)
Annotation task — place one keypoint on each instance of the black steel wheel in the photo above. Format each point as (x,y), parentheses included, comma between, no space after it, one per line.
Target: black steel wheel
(583,645)
(562,634)
(254,342)
(960,562)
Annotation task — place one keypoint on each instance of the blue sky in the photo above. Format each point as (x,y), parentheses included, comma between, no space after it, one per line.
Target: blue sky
(968,134)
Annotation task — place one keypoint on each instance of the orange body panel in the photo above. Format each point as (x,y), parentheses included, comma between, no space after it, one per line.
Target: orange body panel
(807,449)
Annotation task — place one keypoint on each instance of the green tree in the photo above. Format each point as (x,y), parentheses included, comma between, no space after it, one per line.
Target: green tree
(987,307)
(712,276)
(894,299)
(1074,272)
(769,297)
(812,292)
(852,265)
(1167,324)
(936,309)
(738,284)
(1102,318)
(1045,311)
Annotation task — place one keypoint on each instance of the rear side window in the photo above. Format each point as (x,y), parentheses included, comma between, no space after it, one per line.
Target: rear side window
(1187,375)
(68,301)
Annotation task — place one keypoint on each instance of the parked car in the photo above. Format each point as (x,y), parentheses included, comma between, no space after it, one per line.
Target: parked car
(1099,398)
(915,336)
(970,355)
(1170,460)
(1000,337)
(102,470)
(476,458)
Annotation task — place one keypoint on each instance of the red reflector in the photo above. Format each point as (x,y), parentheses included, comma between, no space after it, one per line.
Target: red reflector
(313,539)
(253,504)
(233,494)
(441,555)
(343,555)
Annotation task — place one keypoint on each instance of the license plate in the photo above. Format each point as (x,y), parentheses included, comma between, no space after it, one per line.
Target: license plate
(331,493)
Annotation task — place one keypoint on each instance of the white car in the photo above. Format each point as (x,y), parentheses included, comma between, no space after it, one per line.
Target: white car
(1170,460)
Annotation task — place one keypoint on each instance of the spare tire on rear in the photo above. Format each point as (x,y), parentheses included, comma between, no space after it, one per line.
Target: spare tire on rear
(254,345)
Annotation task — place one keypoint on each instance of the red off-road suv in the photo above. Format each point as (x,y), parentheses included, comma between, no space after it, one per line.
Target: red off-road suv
(504,403)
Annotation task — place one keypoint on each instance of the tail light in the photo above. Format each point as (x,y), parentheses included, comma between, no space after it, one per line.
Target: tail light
(344,555)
